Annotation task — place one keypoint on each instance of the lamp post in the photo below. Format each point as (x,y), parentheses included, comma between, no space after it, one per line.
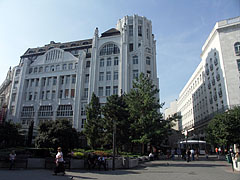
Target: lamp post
(186,136)
(114,144)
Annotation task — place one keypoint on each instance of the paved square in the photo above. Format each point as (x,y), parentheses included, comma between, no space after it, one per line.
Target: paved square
(155,170)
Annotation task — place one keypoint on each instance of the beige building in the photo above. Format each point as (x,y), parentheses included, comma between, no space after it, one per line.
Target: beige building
(215,85)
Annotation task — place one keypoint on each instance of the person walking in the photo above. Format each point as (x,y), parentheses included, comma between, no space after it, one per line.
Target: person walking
(59,162)
(188,155)
(192,153)
(12,157)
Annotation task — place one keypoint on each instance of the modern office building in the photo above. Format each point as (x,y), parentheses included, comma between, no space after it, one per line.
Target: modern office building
(215,85)
(56,81)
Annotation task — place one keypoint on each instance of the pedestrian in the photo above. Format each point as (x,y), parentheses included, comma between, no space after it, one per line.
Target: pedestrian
(188,153)
(179,152)
(206,153)
(151,156)
(192,153)
(59,162)
(197,153)
(12,157)
(172,154)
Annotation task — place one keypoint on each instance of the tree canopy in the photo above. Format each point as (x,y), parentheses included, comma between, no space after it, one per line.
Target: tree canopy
(223,129)
(52,134)
(93,127)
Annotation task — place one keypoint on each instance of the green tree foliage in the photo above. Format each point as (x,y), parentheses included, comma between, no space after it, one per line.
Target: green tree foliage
(144,109)
(52,134)
(224,128)
(115,111)
(10,135)
(93,128)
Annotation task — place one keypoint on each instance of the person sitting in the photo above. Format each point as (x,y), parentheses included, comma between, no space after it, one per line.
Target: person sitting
(101,161)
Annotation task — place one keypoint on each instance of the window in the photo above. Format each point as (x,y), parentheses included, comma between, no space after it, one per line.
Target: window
(52,68)
(115,90)
(139,30)
(149,74)
(16,84)
(135,74)
(60,94)
(49,81)
(83,122)
(30,96)
(40,69)
(115,76)
(62,79)
(30,70)
(70,66)
(54,81)
(43,81)
(237,48)
(148,60)
(12,109)
(85,95)
(100,91)
(131,47)
(73,79)
(116,61)
(67,79)
(86,78)
(35,70)
(45,111)
(72,93)
(35,96)
(47,69)
(57,67)
(37,81)
(101,62)
(13,97)
(48,95)
(42,95)
(27,111)
(109,61)
(66,93)
(130,30)
(76,65)
(53,94)
(64,110)
(108,90)
(64,66)
(135,60)
(17,72)
(31,82)
(101,76)
(109,49)
(238,64)
(87,64)
(108,76)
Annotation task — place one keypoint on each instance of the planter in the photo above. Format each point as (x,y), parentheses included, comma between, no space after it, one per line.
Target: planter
(118,163)
(133,163)
(76,163)
(36,163)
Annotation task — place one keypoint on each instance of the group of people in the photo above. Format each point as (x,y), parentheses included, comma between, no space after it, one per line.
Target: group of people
(94,160)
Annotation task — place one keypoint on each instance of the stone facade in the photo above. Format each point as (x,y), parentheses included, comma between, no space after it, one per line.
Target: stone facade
(57,80)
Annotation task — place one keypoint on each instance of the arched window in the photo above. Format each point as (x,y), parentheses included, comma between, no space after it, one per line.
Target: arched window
(237,48)
(109,49)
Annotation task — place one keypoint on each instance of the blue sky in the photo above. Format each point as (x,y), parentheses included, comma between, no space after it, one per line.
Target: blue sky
(180,28)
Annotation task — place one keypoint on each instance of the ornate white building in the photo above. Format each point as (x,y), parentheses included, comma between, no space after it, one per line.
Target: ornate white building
(57,80)
(215,85)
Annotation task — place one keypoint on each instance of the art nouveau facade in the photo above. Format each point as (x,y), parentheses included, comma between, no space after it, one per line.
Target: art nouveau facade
(215,85)
(57,80)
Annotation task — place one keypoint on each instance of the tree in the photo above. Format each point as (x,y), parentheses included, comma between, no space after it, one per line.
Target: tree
(144,109)
(10,135)
(223,129)
(52,134)
(115,113)
(93,128)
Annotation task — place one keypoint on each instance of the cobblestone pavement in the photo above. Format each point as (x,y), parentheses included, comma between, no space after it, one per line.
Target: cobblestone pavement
(154,170)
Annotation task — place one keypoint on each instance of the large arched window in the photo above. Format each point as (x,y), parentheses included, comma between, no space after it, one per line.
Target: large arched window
(109,49)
